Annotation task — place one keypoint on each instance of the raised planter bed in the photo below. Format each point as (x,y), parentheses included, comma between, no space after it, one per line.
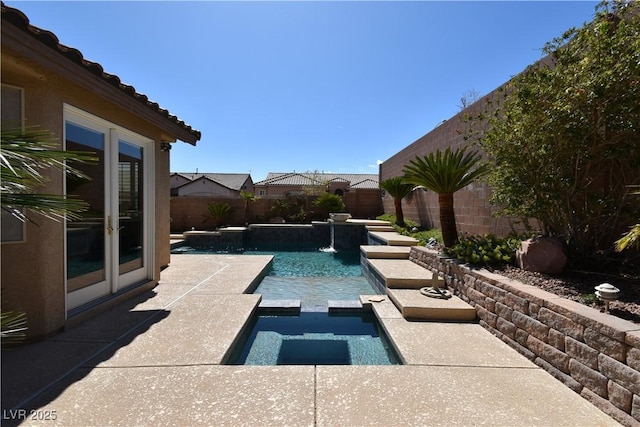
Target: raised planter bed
(595,354)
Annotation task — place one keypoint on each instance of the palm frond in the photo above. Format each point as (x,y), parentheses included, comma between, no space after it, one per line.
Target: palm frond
(397,187)
(13,327)
(445,172)
(25,158)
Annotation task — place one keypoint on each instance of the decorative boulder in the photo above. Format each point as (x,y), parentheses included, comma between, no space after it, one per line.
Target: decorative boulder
(542,254)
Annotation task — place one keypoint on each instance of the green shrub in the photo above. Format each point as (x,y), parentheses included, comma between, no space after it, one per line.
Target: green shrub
(424,236)
(291,209)
(219,212)
(486,249)
(329,202)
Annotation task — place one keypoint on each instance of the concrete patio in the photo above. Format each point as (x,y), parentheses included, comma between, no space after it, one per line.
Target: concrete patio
(157,360)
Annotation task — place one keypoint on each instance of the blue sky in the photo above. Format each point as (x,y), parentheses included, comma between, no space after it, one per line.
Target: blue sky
(329,86)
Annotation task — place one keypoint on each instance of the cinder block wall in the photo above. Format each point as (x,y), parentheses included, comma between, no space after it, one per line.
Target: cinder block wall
(593,353)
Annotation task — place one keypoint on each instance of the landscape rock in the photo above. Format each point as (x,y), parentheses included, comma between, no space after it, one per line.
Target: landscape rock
(542,254)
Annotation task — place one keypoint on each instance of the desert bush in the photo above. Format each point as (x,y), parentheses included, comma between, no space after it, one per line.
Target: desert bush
(486,249)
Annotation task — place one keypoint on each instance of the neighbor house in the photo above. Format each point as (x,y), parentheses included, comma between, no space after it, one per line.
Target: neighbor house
(360,192)
(60,273)
(297,183)
(210,184)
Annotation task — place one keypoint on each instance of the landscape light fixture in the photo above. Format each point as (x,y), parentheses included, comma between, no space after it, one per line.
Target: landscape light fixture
(607,292)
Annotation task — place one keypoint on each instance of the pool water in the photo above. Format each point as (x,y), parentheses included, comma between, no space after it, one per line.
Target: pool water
(314,277)
(313,263)
(315,339)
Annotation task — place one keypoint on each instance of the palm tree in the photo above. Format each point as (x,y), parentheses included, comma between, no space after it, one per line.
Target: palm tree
(219,211)
(445,173)
(397,188)
(248,198)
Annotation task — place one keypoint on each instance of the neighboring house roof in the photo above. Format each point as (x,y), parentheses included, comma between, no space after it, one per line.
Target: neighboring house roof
(291,179)
(357,180)
(233,181)
(366,184)
(47,38)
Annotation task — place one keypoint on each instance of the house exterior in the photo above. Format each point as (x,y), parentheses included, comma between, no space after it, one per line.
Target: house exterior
(61,273)
(295,183)
(210,184)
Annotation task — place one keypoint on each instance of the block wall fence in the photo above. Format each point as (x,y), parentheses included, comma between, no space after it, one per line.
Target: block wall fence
(595,354)
(188,212)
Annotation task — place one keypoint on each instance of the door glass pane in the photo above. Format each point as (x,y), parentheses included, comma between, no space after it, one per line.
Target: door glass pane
(130,204)
(85,237)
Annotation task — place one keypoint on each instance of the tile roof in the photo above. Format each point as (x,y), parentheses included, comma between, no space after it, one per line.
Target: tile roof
(356,180)
(233,181)
(20,20)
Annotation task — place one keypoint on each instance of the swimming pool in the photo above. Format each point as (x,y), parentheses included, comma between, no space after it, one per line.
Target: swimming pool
(314,336)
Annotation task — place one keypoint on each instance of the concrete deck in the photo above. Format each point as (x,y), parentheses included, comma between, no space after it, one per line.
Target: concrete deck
(155,360)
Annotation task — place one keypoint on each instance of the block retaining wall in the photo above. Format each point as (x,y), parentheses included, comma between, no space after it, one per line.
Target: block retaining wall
(595,354)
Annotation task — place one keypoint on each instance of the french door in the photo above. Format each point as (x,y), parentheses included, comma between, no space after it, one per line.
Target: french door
(109,248)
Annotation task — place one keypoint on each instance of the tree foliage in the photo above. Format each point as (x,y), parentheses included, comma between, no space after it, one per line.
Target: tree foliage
(564,135)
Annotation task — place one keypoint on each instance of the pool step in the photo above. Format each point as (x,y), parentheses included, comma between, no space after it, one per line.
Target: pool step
(288,305)
(385,252)
(337,305)
(404,274)
(379,228)
(393,238)
(415,306)
(369,222)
